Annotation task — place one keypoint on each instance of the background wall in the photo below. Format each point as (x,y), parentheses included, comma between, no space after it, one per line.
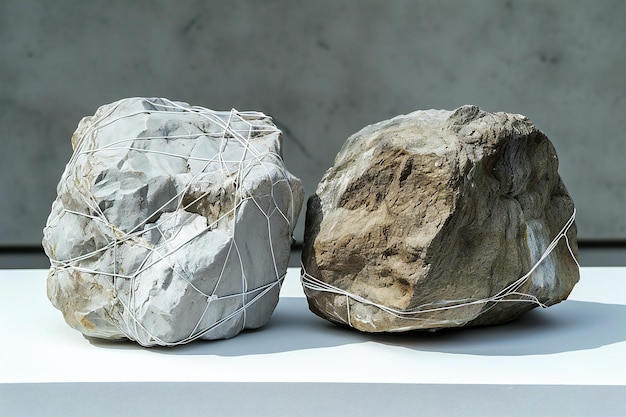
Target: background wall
(323,70)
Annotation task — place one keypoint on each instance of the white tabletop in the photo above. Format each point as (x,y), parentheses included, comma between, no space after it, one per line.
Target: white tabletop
(577,347)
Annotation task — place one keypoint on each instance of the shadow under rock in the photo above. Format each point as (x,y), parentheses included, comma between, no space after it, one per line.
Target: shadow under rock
(292,327)
(565,327)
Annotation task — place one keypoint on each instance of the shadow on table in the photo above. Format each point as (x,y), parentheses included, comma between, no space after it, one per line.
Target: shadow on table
(292,327)
(568,326)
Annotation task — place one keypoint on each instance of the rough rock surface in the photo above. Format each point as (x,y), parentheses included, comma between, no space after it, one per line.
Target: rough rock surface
(172,223)
(434,219)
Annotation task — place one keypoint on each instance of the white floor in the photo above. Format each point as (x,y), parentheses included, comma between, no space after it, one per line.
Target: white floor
(564,360)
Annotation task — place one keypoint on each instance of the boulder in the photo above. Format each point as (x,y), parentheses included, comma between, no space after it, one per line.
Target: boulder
(172,223)
(440,219)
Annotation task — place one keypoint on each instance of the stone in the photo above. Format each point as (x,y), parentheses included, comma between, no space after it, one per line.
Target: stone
(172,223)
(439,219)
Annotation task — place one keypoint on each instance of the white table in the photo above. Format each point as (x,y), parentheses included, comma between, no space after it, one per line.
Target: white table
(567,360)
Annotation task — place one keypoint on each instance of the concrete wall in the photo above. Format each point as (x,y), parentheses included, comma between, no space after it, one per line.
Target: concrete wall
(323,70)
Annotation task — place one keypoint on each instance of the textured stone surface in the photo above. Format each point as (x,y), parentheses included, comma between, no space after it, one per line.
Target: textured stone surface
(171,223)
(439,209)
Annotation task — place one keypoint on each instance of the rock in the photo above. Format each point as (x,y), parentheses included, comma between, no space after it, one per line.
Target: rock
(439,219)
(172,223)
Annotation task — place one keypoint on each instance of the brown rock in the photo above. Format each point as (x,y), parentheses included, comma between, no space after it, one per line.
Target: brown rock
(439,219)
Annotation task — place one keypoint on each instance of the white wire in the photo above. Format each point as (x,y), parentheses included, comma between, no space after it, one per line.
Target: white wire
(507,294)
(230,133)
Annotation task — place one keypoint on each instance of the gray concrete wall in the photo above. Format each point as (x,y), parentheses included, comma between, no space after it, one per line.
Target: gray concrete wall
(323,70)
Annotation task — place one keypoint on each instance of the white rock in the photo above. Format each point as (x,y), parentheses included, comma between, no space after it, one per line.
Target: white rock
(172,223)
